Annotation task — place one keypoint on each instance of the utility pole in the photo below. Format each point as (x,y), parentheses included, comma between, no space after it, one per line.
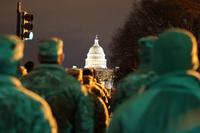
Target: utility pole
(18,26)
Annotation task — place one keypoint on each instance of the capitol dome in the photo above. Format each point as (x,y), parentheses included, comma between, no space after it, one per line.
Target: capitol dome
(95,57)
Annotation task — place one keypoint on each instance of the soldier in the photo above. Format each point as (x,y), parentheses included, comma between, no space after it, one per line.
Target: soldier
(135,82)
(22,111)
(69,102)
(101,114)
(89,80)
(171,103)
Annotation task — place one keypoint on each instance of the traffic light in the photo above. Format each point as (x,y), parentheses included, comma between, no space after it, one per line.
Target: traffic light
(27,26)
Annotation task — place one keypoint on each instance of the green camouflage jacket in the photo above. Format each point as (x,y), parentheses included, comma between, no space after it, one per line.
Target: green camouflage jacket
(69,102)
(130,86)
(170,105)
(23,111)
(101,114)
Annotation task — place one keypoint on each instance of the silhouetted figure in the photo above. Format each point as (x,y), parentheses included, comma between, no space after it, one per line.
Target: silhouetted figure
(171,103)
(29,66)
(21,111)
(70,102)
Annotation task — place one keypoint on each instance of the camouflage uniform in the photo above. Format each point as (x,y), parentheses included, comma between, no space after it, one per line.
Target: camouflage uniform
(69,102)
(100,103)
(101,115)
(172,102)
(91,85)
(135,82)
(22,111)
(90,80)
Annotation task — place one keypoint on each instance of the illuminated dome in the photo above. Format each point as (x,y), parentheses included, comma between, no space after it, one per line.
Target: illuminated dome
(95,57)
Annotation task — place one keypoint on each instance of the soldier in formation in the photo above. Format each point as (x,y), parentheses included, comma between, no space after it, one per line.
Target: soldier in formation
(171,102)
(134,83)
(97,96)
(69,101)
(22,111)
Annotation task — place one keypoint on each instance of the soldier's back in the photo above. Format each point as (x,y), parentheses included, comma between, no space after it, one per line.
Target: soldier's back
(61,91)
(168,106)
(23,111)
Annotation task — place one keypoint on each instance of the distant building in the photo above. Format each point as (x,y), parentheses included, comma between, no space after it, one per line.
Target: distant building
(96,57)
(96,60)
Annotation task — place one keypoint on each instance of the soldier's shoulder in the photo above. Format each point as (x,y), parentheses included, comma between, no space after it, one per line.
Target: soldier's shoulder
(69,78)
(134,104)
(71,82)
(32,75)
(12,99)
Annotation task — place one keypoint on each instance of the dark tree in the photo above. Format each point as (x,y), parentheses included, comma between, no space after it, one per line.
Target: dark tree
(150,17)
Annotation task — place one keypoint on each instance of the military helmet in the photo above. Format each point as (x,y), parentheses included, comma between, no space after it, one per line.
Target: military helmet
(175,50)
(11,48)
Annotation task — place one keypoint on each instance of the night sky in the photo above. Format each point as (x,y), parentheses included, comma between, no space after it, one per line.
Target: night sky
(75,21)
